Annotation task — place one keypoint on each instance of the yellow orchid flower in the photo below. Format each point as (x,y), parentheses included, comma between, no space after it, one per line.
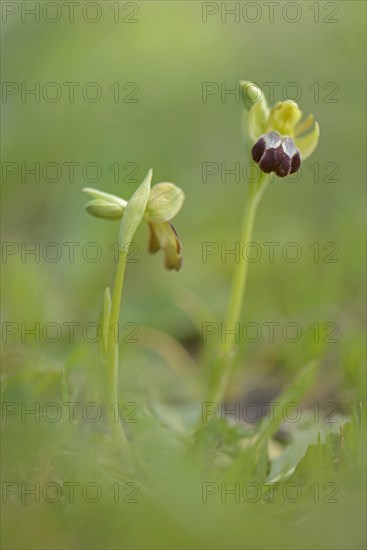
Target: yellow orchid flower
(165,201)
(277,134)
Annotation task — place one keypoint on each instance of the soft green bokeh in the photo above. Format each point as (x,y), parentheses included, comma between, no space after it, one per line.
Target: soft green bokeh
(170,54)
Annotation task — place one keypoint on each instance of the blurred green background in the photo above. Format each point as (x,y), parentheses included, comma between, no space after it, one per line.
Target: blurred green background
(169,53)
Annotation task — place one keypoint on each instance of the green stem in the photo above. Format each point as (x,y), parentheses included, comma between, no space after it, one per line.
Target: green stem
(113,352)
(223,365)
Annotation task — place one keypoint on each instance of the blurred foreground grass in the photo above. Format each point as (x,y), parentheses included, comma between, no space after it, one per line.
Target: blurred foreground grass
(230,487)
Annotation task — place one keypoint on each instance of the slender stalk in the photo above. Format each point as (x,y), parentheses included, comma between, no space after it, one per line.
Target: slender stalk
(131,214)
(223,364)
(113,351)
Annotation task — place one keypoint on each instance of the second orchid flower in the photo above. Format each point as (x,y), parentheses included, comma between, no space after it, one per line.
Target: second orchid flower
(165,201)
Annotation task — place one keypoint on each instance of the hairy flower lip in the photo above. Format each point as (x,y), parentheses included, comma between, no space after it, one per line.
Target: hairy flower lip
(276,153)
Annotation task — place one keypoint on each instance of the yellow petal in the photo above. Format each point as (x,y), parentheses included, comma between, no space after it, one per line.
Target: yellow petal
(308,143)
(303,126)
(283,117)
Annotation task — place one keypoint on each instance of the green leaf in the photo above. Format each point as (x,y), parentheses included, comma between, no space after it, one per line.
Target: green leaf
(134,212)
(292,394)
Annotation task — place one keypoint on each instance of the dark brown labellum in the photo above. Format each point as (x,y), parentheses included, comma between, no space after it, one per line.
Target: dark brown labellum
(276,153)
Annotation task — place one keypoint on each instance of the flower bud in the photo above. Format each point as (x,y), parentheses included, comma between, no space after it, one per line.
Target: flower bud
(256,109)
(251,94)
(107,197)
(104,209)
(165,200)
(275,153)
